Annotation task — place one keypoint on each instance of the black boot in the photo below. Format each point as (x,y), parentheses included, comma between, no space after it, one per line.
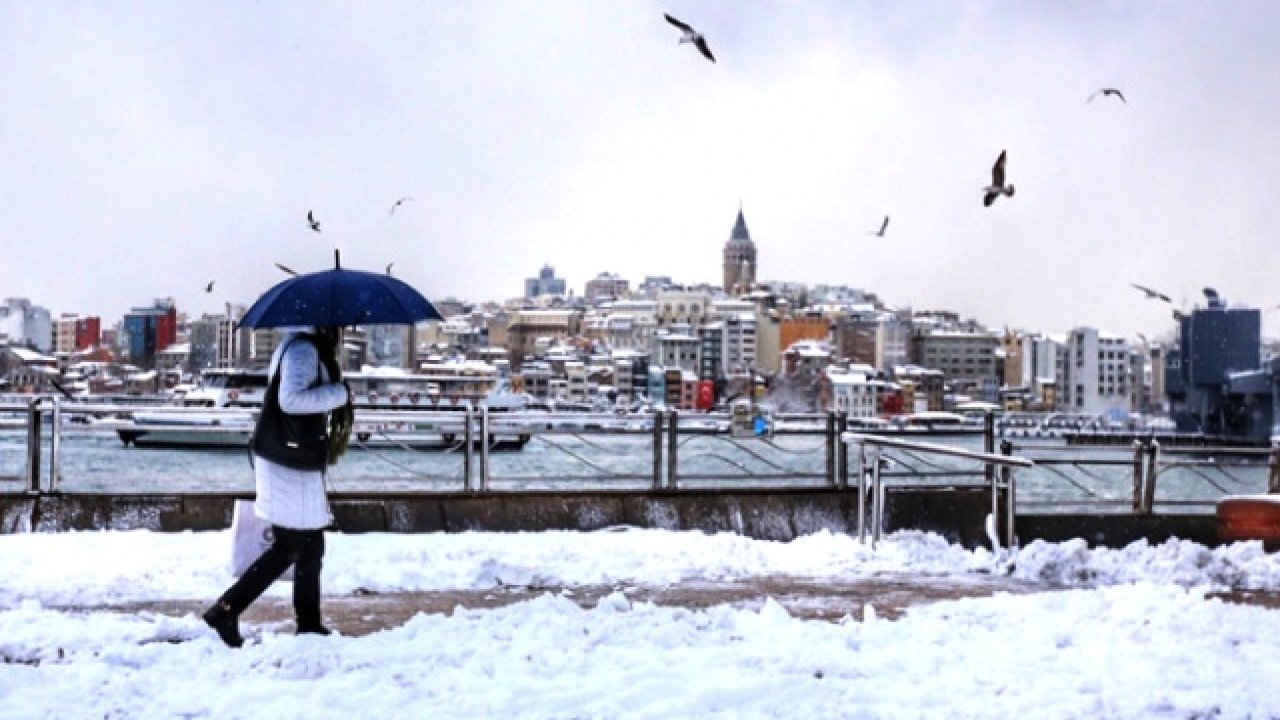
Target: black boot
(313,629)
(220,618)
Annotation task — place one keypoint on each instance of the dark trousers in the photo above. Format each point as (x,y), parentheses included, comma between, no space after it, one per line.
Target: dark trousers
(304,549)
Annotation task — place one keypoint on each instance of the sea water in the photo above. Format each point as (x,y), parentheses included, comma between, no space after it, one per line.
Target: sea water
(1065,478)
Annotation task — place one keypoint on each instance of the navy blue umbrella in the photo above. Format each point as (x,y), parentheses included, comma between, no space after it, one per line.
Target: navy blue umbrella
(339,297)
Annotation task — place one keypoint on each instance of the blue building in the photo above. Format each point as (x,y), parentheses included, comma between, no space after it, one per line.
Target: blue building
(545,284)
(1215,379)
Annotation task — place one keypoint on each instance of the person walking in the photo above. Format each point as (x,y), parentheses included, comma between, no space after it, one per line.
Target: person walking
(303,428)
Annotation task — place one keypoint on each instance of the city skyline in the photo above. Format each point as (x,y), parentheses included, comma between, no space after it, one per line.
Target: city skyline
(156,149)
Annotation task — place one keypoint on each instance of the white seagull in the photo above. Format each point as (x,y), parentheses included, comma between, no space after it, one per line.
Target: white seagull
(397,204)
(997,186)
(1152,294)
(1108,91)
(692,36)
(883,226)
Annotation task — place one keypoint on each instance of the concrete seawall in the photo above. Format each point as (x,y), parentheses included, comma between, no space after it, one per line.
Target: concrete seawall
(956,513)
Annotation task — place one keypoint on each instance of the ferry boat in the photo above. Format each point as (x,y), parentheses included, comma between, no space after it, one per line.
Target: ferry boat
(381,396)
(443,386)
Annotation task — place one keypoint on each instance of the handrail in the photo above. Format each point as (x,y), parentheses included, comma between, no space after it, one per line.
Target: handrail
(994,458)
(1006,462)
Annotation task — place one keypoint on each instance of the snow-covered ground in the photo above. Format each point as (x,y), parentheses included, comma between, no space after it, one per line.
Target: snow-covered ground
(1117,633)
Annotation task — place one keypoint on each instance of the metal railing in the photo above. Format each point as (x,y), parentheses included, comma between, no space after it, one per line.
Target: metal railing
(869,472)
(663,451)
(574,440)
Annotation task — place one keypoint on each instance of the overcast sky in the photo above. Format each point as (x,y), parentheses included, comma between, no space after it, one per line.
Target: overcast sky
(149,148)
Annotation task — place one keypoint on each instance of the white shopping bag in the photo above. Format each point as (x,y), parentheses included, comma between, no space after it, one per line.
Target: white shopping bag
(250,537)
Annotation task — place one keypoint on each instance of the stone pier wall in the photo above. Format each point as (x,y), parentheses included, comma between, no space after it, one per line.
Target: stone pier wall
(956,513)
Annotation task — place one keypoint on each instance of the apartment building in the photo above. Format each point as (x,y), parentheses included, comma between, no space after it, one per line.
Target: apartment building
(1096,376)
(966,359)
(528,326)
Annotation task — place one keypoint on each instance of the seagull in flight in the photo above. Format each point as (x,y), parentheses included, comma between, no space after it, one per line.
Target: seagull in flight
(1108,91)
(997,186)
(209,288)
(311,220)
(883,226)
(1152,294)
(284,269)
(692,36)
(397,204)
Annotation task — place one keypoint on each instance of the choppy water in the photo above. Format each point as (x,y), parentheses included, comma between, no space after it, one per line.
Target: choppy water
(96,461)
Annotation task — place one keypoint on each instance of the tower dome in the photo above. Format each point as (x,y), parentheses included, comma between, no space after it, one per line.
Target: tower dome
(739,259)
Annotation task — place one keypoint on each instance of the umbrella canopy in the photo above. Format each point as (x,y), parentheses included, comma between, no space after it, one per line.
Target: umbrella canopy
(339,297)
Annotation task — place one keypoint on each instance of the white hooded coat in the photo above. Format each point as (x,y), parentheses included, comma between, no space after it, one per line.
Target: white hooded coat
(287,497)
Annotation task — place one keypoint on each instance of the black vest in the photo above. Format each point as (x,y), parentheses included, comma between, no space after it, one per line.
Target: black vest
(300,442)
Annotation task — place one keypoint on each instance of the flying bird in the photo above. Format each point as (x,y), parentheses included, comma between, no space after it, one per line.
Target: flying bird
(311,220)
(997,186)
(692,36)
(209,288)
(397,204)
(1152,294)
(284,269)
(1108,91)
(883,226)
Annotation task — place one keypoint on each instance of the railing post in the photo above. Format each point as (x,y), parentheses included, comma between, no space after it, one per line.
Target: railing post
(833,439)
(55,442)
(469,450)
(33,445)
(989,446)
(842,469)
(1273,470)
(877,496)
(673,446)
(485,438)
(862,492)
(657,449)
(1138,450)
(1149,485)
(1011,496)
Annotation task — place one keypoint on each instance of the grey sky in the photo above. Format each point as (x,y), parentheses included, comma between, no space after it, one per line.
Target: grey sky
(151,147)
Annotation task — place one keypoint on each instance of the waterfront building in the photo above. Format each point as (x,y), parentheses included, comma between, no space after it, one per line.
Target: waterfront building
(22,323)
(576,387)
(807,358)
(676,349)
(1215,380)
(711,350)
(148,330)
(924,389)
(526,327)
(854,390)
(545,284)
(966,358)
(24,370)
(535,379)
(606,286)
(797,328)
(202,342)
(687,307)
(739,259)
(1096,377)
(768,342)
(64,334)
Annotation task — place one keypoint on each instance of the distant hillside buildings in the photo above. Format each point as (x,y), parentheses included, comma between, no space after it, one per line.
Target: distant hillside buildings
(691,346)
